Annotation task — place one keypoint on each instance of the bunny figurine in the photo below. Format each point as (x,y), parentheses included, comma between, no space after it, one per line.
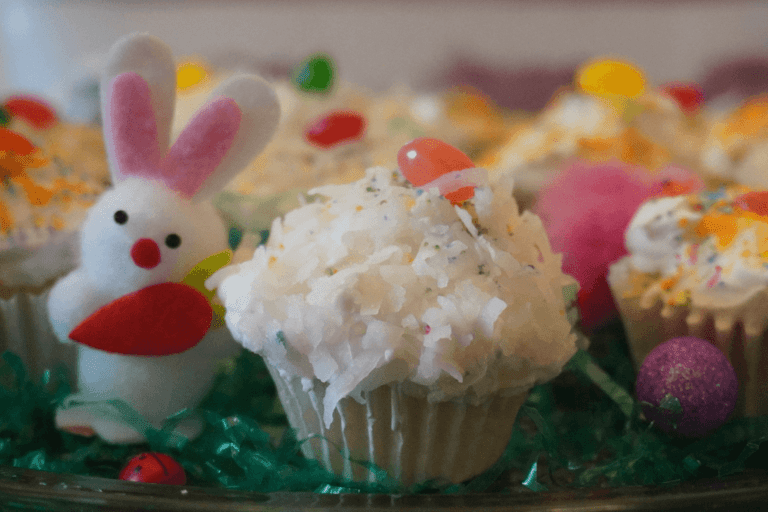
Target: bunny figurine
(144,335)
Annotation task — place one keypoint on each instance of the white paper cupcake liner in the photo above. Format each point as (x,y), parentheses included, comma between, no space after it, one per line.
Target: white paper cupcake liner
(740,332)
(26,331)
(410,437)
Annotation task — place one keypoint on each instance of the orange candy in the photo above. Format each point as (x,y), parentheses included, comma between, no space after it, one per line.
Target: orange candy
(425,159)
(755,202)
(14,143)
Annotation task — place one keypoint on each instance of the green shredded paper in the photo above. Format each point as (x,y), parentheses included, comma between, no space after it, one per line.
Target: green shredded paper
(583,429)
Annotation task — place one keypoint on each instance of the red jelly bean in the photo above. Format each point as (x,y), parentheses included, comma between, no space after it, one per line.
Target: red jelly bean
(32,109)
(688,96)
(755,202)
(424,159)
(154,468)
(340,127)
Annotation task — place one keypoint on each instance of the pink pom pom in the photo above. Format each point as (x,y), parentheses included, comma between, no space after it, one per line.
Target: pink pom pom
(586,210)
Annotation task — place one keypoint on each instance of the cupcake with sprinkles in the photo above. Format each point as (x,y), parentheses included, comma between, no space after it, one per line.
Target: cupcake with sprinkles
(52,172)
(610,114)
(404,317)
(698,266)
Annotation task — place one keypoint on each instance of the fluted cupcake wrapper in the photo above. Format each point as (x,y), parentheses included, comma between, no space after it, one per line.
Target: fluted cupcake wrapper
(740,332)
(26,331)
(408,436)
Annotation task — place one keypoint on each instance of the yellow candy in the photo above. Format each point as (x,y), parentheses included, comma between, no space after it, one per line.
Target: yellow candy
(190,74)
(203,270)
(611,78)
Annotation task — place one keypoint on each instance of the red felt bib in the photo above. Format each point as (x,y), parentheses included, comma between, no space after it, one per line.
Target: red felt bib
(159,320)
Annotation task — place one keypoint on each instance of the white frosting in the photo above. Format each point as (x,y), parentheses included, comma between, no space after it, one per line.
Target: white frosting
(654,236)
(382,282)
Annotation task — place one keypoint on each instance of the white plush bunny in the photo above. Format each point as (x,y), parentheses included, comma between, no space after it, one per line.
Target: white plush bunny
(144,336)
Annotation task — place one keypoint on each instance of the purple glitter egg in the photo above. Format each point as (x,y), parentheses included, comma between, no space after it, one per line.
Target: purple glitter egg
(687,387)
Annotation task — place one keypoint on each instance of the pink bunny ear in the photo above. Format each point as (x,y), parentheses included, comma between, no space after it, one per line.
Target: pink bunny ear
(138,89)
(259,116)
(202,146)
(132,127)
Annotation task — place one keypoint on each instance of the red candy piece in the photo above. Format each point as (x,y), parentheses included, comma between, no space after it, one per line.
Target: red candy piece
(755,202)
(159,320)
(424,159)
(32,109)
(689,96)
(340,127)
(154,468)
(15,143)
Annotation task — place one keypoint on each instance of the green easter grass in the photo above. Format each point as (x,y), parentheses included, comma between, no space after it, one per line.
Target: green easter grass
(581,430)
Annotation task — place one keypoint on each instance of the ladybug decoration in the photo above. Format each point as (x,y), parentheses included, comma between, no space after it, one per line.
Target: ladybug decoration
(154,468)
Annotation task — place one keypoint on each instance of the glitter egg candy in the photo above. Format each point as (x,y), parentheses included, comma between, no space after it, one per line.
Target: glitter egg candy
(755,202)
(688,95)
(153,468)
(425,159)
(687,387)
(32,109)
(315,74)
(611,78)
(335,128)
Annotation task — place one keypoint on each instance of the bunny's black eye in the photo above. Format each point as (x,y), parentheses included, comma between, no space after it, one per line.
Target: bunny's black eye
(173,240)
(121,217)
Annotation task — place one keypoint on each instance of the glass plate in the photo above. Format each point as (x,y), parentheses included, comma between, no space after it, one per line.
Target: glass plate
(23,489)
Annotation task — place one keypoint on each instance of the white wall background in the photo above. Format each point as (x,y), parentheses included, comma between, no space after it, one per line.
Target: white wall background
(46,45)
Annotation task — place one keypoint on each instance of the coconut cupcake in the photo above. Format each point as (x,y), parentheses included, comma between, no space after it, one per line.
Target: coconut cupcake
(52,173)
(698,266)
(402,330)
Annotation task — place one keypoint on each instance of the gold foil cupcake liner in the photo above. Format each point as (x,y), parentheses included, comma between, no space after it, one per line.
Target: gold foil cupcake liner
(413,439)
(741,332)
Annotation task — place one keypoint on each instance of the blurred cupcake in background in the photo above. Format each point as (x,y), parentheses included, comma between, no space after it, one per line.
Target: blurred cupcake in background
(609,114)
(52,171)
(331,131)
(736,148)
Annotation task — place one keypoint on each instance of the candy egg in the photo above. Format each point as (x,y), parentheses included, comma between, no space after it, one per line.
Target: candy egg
(315,73)
(424,159)
(687,387)
(336,128)
(611,78)
(154,468)
(190,75)
(688,96)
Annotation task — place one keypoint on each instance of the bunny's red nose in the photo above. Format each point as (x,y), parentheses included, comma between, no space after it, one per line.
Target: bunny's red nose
(145,253)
